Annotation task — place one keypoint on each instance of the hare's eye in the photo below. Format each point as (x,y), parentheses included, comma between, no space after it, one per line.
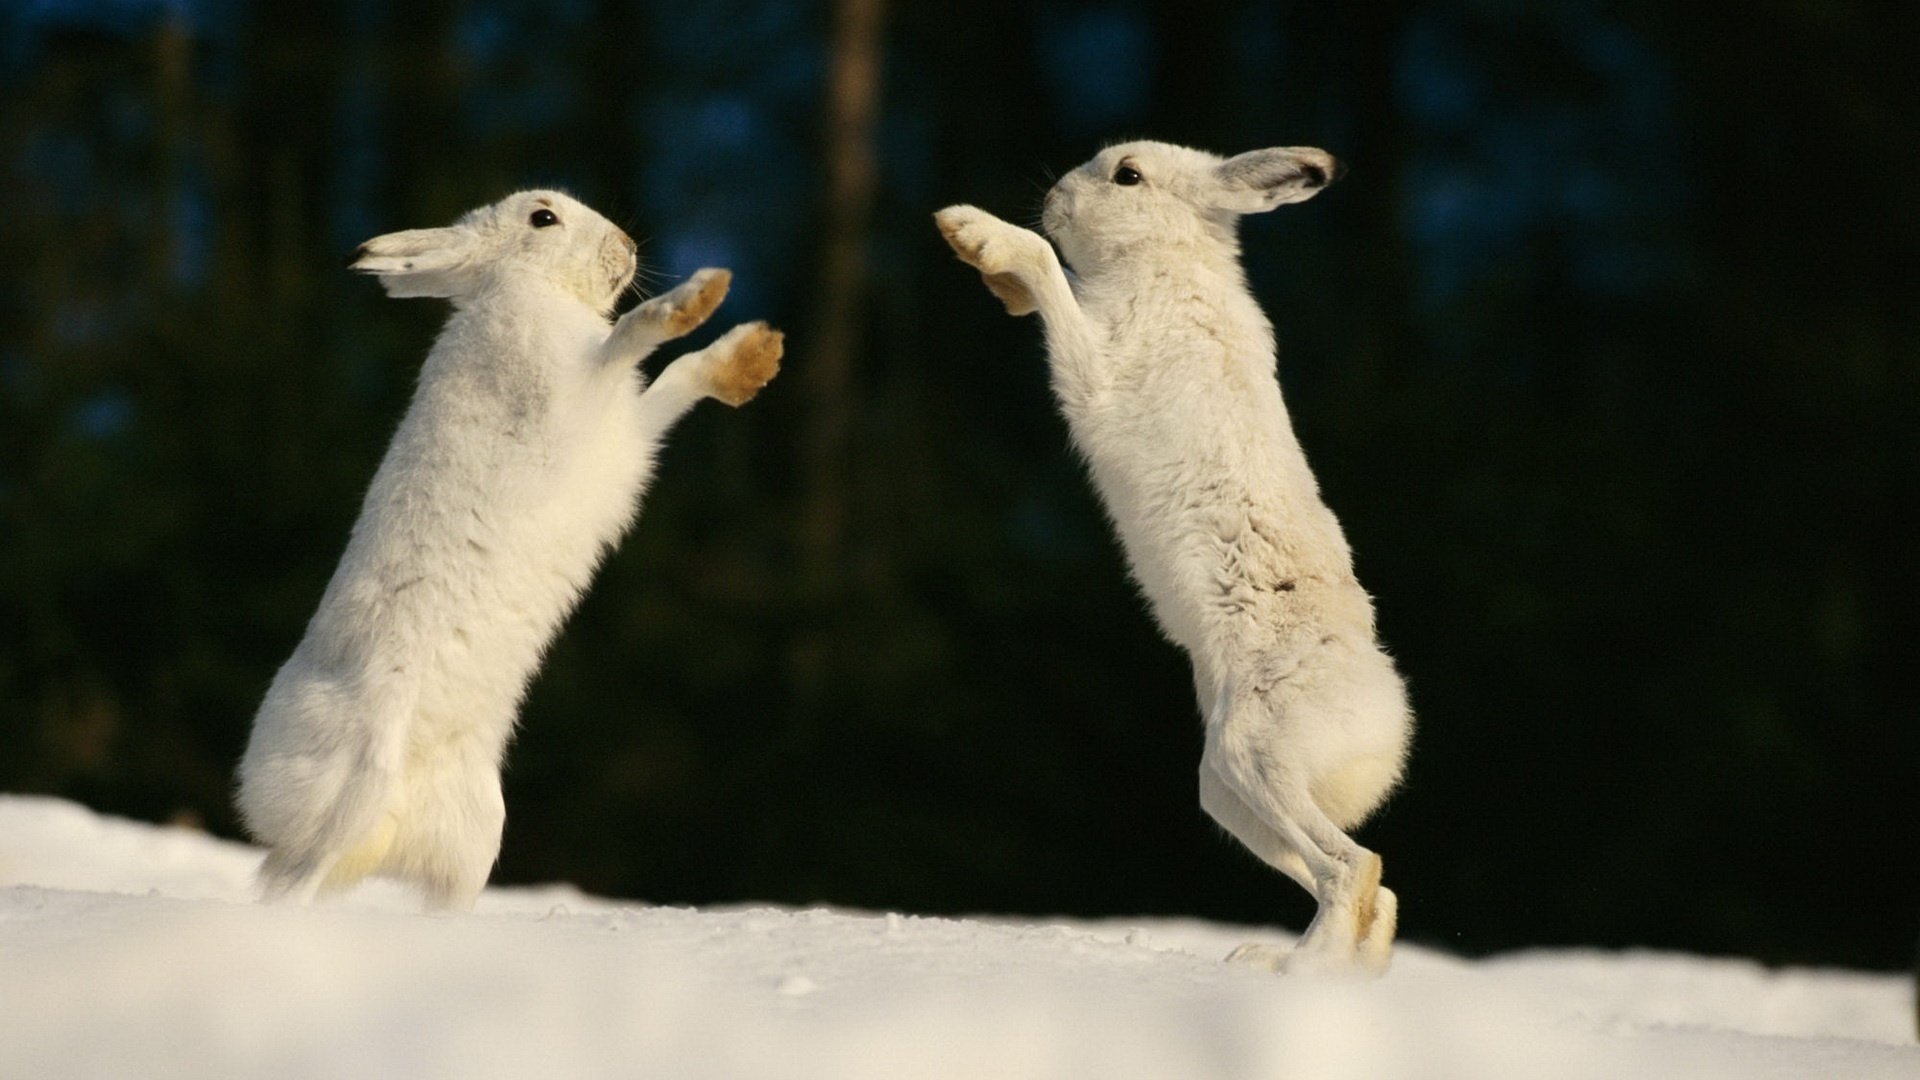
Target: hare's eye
(543,218)
(1126,176)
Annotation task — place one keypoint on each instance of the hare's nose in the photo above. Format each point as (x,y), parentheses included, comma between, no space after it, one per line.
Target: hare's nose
(627,242)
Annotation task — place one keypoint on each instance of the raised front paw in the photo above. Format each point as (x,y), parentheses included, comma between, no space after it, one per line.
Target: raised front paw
(683,308)
(982,241)
(1004,254)
(745,359)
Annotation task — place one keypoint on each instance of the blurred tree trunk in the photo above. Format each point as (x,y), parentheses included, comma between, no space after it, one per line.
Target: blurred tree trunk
(853,98)
(172,87)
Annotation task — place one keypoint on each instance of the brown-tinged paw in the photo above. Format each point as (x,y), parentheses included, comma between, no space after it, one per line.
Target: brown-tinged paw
(966,230)
(682,309)
(992,247)
(751,361)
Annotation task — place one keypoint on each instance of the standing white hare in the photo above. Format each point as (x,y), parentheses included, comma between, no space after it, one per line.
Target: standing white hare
(519,464)
(1164,367)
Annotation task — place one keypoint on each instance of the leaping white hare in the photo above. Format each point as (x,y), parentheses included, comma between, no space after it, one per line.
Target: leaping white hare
(519,464)
(1164,367)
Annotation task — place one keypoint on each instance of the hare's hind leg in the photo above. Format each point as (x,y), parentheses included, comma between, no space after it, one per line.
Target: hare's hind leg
(289,876)
(1230,813)
(1376,938)
(300,874)
(1345,877)
(328,804)
(451,834)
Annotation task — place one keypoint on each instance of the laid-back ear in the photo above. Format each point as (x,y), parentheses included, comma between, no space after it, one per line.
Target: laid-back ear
(1263,179)
(418,262)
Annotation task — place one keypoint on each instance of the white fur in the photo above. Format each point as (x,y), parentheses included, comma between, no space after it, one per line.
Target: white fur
(1163,364)
(518,465)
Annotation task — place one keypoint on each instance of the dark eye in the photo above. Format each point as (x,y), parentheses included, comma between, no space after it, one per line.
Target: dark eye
(1126,176)
(543,218)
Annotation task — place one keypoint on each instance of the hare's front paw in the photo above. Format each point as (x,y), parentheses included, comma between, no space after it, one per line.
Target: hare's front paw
(745,359)
(680,310)
(1004,254)
(990,245)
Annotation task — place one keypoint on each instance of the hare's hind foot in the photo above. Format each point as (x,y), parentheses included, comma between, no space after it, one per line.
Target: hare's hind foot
(1356,937)
(1258,955)
(1304,959)
(1376,938)
(1366,894)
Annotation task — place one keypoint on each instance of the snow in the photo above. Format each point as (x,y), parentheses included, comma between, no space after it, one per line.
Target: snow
(129,949)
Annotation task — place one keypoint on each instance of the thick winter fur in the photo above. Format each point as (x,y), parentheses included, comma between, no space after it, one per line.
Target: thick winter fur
(1164,367)
(518,465)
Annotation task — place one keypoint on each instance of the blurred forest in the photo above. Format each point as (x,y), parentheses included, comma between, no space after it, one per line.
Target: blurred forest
(1607,353)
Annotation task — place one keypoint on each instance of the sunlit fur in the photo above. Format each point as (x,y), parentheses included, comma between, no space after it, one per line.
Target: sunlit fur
(1163,365)
(518,465)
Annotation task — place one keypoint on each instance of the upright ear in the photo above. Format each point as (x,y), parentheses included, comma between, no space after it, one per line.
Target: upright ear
(419,262)
(1263,179)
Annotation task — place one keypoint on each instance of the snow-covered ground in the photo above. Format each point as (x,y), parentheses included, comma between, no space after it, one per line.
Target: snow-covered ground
(132,950)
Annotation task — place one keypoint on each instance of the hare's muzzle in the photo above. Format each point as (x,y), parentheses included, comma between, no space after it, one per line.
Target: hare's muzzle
(1054,211)
(619,261)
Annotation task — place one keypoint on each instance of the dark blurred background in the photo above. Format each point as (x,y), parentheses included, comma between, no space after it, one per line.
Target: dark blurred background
(1605,353)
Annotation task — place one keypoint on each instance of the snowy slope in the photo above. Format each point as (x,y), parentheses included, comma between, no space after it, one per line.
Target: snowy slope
(131,950)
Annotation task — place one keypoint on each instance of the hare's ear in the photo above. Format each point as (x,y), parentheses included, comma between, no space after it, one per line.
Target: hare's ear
(1263,179)
(418,262)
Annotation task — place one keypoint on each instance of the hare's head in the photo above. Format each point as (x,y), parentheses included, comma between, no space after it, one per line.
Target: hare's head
(1138,196)
(541,234)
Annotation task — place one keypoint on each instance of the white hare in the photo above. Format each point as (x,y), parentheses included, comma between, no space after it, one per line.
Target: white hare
(1164,367)
(518,465)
